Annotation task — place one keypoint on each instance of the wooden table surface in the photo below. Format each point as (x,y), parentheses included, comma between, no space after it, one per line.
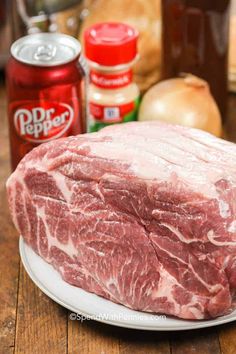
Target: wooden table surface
(31,323)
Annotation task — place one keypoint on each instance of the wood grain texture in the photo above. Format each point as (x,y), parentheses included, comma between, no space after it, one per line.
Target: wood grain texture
(90,337)
(9,257)
(143,342)
(204,341)
(41,324)
(227,338)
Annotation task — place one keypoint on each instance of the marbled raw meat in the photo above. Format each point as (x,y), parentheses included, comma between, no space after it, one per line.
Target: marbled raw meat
(143,214)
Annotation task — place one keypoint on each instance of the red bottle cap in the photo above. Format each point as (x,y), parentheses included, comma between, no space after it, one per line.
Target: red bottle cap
(110,43)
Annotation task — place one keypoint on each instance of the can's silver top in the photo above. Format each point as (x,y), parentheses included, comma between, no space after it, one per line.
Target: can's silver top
(46,49)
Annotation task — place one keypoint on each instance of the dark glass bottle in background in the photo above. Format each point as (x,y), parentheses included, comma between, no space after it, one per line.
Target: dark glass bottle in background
(195,40)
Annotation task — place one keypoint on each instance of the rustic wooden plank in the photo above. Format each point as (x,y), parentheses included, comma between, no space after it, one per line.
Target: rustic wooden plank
(227,338)
(203,341)
(41,325)
(9,258)
(90,337)
(143,342)
(9,268)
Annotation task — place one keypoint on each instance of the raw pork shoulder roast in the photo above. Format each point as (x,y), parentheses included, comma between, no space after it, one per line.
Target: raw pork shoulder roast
(143,214)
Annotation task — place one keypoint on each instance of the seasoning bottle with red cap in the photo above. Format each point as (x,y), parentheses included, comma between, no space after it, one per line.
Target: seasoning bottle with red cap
(111,50)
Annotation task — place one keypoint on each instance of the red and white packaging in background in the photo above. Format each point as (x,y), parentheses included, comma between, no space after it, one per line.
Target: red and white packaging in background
(111,49)
(46,95)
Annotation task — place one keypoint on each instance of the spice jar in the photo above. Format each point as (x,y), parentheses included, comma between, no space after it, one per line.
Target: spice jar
(111,49)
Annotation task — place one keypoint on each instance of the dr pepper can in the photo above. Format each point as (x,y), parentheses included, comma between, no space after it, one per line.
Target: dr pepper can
(45,84)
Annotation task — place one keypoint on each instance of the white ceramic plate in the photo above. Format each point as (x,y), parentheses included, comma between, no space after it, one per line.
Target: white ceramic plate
(84,304)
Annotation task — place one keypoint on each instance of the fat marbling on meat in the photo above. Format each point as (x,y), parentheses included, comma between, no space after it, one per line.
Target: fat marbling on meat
(143,214)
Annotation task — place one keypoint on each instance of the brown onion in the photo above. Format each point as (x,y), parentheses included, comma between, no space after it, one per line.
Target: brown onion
(185,101)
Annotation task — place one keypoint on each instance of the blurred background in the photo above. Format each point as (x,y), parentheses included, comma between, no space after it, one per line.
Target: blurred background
(21,17)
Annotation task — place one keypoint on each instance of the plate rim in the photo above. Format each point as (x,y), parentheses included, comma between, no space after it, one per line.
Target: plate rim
(118,323)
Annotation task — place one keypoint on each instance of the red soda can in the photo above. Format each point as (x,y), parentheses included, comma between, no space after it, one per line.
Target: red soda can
(45,84)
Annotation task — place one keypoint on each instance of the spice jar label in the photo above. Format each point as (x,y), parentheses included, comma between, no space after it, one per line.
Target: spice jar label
(102,115)
(111,81)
